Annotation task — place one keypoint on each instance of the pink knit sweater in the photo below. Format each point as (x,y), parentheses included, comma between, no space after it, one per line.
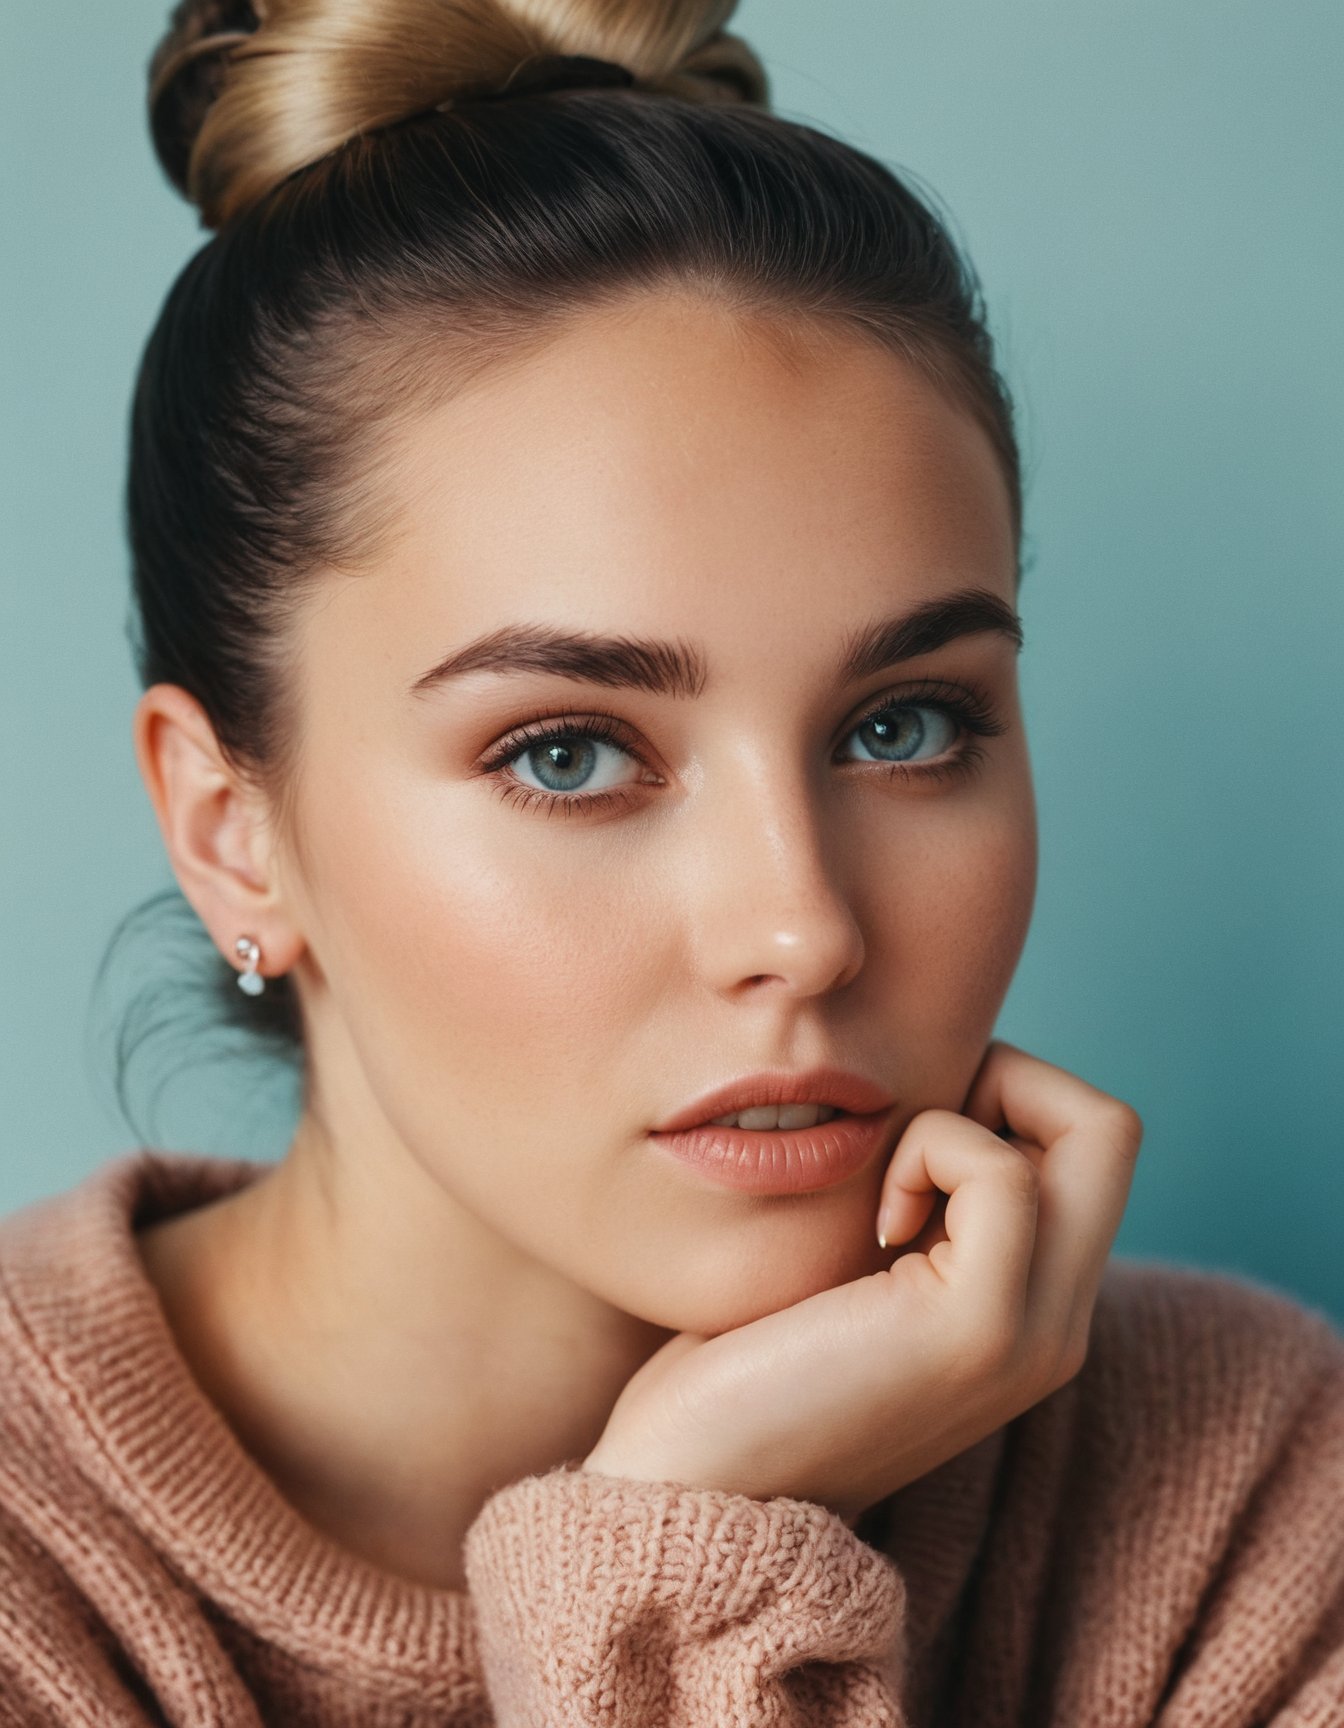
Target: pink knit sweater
(1161,1541)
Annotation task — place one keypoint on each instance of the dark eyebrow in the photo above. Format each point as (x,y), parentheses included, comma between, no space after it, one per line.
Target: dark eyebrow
(679,668)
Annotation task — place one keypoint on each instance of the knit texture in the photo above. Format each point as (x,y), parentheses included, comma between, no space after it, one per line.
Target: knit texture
(1159,1542)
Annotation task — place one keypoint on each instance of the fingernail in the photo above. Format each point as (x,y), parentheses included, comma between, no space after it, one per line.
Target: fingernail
(883,1225)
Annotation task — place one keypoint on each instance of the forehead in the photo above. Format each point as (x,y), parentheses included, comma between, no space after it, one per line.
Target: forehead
(669,463)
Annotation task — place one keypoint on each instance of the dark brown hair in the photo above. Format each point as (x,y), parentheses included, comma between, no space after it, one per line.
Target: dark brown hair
(387,227)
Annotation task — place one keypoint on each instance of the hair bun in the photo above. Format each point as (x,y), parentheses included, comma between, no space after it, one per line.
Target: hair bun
(245,92)
(187,72)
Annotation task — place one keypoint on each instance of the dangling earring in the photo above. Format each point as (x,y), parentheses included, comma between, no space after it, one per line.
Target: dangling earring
(250,979)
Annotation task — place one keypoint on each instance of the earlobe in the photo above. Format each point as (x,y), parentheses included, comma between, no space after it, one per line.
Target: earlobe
(215,828)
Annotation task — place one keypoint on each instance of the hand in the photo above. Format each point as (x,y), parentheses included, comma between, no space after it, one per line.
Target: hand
(845,1397)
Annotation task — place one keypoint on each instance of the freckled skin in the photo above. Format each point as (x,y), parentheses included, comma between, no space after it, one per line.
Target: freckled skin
(469,1241)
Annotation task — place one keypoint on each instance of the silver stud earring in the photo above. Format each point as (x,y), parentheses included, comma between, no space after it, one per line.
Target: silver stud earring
(249,979)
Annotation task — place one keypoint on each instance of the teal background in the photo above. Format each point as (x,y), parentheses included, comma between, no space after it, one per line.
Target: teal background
(1152,194)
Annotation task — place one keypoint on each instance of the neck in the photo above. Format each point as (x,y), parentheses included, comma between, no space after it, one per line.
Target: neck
(388,1358)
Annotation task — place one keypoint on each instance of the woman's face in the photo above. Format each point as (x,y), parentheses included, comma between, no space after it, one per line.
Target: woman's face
(521,957)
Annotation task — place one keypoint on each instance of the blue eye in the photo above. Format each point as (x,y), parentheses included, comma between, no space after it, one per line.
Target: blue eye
(557,766)
(564,763)
(899,733)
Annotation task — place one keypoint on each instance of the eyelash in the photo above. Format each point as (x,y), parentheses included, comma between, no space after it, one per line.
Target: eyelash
(967,705)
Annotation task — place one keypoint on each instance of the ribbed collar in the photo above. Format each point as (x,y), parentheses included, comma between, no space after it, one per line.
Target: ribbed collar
(141,1428)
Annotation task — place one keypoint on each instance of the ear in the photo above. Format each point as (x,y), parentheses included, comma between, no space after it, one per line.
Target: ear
(216,828)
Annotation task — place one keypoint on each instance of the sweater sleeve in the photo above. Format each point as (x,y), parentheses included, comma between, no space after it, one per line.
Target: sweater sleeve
(606,1602)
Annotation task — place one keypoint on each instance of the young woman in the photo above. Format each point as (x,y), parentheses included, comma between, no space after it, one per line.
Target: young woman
(575,521)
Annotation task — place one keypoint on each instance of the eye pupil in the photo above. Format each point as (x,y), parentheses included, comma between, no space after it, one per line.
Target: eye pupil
(901,730)
(558,759)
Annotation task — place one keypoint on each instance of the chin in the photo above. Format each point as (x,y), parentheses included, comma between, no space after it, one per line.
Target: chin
(758,1283)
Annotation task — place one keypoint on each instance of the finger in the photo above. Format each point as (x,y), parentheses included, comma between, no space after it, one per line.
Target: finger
(1090,1142)
(905,1215)
(1086,1179)
(933,1232)
(1035,1099)
(990,1217)
(1028,1148)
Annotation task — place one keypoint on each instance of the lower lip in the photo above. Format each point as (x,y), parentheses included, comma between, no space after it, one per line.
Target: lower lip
(780,1160)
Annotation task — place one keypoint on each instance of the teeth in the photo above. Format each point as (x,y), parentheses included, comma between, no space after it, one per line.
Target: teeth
(779,1116)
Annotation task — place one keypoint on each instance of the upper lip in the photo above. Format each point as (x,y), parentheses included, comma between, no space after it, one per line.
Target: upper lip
(834,1086)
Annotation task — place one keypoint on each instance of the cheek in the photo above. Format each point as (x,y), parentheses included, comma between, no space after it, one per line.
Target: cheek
(954,930)
(479,958)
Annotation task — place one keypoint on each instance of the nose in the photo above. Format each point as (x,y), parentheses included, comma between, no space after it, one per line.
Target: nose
(772,910)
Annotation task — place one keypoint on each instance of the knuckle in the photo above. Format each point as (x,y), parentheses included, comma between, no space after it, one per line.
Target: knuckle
(1126,1125)
(1019,1176)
